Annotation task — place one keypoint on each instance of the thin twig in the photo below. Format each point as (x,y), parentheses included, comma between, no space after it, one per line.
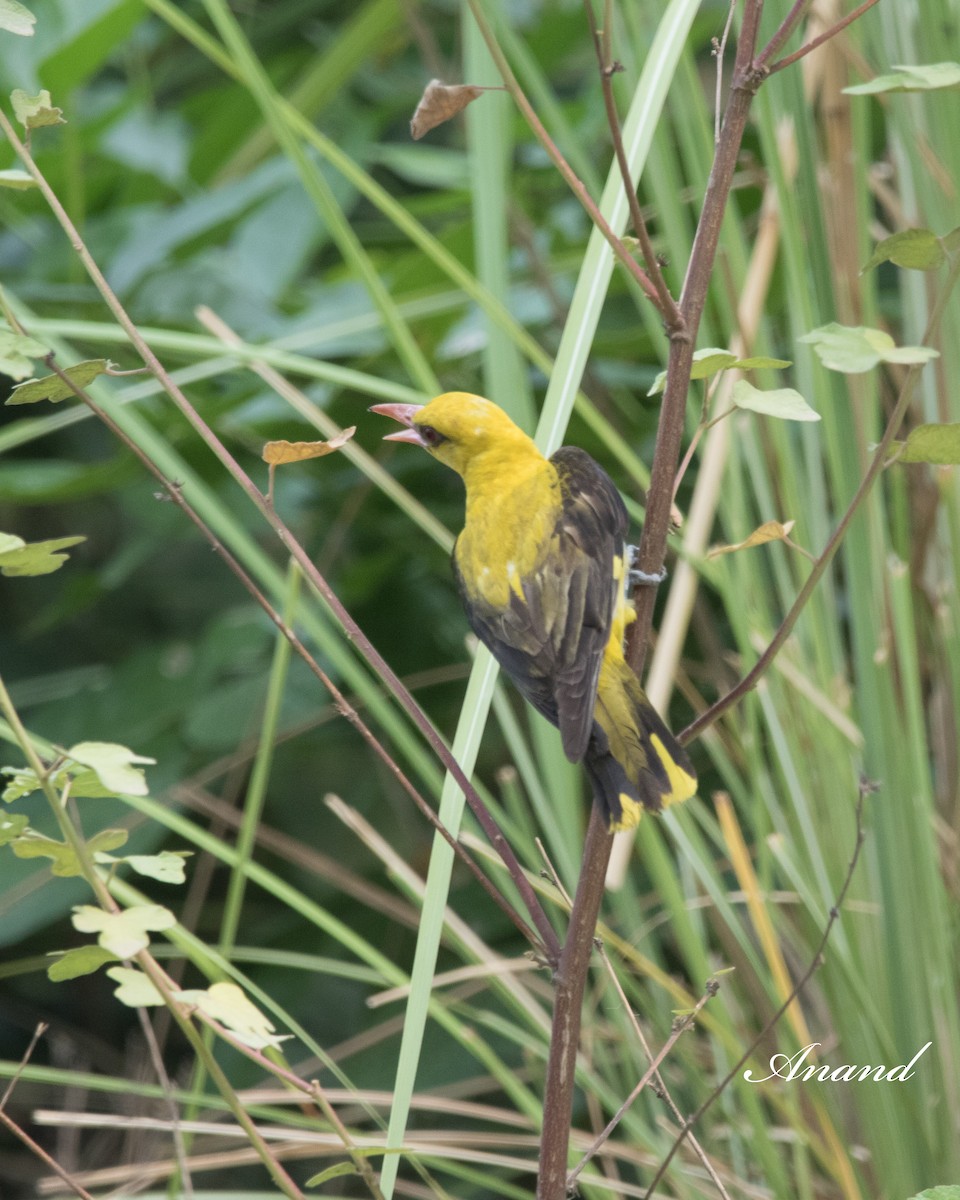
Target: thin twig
(15,1129)
(608,68)
(38,1033)
(681,1025)
(815,963)
(176,1132)
(577,186)
(719,51)
(823,37)
(44,1157)
(783,32)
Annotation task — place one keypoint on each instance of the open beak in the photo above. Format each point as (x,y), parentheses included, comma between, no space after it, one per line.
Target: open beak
(404,413)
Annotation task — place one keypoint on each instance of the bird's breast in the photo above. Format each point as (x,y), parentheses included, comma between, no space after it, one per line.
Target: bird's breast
(510,521)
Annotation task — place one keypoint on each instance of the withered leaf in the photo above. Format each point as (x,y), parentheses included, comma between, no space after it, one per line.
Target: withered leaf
(276,453)
(769,531)
(441,101)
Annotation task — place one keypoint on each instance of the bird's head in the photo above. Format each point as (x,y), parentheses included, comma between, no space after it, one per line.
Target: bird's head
(456,428)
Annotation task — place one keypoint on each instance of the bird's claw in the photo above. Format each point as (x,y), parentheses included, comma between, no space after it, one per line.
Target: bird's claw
(638,578)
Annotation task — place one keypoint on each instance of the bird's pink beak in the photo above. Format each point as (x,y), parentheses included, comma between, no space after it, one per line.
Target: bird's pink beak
(404,413)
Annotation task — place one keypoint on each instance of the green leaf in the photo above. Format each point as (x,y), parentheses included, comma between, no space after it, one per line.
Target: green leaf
(136,990)
(125,932)
(915,249)
(928,78)
(64,861)
(709,361)
(113,765)
(945,1191)
(166,867)
(18,557)
(12,826)
(337,1171)
(227,1003)
(14,18)
(17,351)
(939,444)
(784,403)
(54,389)
(34,112)
(16,179)
(23,781)
(81,960)
(855,349)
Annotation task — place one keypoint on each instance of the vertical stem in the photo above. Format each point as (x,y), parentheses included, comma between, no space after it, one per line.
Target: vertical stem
(653,543)
(569,983)
(570,980)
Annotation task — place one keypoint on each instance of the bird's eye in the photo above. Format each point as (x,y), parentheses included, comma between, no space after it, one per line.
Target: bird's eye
(431,437)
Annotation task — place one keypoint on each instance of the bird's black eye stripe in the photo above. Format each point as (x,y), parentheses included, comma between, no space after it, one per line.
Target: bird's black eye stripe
(432,437)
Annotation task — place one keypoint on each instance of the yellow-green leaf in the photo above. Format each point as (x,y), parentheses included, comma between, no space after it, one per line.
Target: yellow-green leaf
(939,444)
(228,1004)
(15,18)
(124,933)
(855,349)
(18,181)
(113,765)
(33,112)
(165,867)
(17,350)
(12,826)
(136,990)
(23,781)
(81,960)
(54,389)
(784,403)
(337,1171)
(18,557)
(915,249)
(927,77)
(710,360)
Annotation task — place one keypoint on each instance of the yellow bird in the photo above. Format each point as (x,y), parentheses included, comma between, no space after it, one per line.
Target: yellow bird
(540,566)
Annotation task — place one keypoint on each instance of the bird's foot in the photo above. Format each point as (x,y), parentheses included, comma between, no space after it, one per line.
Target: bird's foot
(638,578)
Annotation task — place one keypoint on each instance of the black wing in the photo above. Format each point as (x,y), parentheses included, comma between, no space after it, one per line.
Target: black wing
(551,642)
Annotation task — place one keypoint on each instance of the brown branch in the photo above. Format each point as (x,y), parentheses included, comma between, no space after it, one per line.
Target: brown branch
(575,957)
(569,983)
(801,983)
(653,542)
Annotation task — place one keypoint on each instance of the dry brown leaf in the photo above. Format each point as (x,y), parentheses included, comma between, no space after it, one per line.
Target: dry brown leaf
(276,453)
(440,102)
(769,531)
